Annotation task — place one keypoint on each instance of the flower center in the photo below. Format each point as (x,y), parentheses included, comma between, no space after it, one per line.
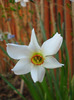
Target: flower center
(37,59)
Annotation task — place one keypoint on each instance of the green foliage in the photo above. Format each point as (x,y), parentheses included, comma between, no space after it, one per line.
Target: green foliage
(72,86)
(12,1)
(68,5)
(3,16)
(12,8)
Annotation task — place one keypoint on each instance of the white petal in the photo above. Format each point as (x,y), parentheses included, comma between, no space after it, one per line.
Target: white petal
(17,51)
(23,66)
(23,4)
(51,46)
(17,0)
(37,73)
(33,43)
(50,62)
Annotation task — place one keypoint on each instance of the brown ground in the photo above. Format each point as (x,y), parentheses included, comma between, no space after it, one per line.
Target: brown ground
(6,93)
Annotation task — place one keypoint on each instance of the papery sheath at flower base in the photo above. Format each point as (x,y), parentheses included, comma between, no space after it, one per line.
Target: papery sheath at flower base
(35,59)
(22,2)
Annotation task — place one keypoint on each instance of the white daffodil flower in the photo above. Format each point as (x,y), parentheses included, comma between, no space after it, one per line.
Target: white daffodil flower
(34,58)
(22,2)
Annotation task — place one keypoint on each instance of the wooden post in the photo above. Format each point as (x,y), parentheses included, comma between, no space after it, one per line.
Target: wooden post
(73,31)
(68,31)
(52,16)
(46,17)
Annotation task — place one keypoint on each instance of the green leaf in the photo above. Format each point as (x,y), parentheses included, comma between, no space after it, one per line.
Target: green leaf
(50,82)
(47,95)
(43,30)
(12,1)
(72,86)
(31,88)
(56,86)
(12,8)
(3,16)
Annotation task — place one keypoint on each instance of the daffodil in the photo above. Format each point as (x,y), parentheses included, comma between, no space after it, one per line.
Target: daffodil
(22,2)
(35,59)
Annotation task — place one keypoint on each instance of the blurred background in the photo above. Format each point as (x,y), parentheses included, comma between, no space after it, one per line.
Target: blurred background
(47,17)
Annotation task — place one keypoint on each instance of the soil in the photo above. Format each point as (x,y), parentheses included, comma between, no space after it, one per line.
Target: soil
(6,93)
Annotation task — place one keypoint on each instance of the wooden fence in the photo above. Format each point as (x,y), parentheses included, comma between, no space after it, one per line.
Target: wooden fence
(18,21)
